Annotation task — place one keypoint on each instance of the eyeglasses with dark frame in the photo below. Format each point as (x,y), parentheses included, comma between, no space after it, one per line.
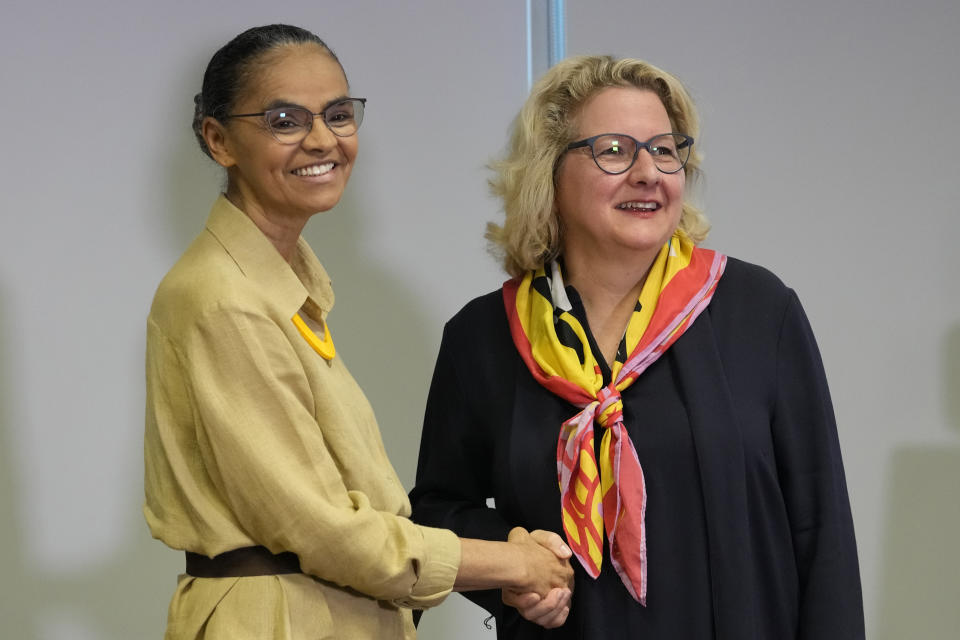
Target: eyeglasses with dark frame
(615,153)
(291,124)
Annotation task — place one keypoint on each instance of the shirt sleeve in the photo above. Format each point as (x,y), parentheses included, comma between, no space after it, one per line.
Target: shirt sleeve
(455,463)
(266,455)
(814,487)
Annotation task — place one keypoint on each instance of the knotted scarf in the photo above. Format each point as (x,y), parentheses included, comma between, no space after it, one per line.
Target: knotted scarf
(611,496)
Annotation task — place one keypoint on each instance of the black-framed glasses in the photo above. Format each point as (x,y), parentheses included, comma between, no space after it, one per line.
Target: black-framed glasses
(615,153)
(291,124)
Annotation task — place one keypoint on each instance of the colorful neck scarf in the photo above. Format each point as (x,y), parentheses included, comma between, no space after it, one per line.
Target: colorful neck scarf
(555,348)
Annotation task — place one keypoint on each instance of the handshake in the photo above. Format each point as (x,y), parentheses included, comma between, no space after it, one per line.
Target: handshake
(532,569)
(544,598)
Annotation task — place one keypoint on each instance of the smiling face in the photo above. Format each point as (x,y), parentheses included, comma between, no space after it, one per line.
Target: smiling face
(278,181)
(628,216)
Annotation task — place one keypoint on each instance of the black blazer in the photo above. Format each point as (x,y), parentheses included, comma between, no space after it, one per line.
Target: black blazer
(749,528)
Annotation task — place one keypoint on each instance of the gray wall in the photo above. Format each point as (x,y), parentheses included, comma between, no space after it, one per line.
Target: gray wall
(847,113)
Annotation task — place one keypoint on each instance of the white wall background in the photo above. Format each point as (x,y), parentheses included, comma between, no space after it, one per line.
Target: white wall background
(830,135)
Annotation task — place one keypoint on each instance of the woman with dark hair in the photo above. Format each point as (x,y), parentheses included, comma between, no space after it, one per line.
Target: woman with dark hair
(662,405)
(263,460)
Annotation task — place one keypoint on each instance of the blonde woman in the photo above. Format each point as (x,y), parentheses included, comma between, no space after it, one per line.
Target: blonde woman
(660,405)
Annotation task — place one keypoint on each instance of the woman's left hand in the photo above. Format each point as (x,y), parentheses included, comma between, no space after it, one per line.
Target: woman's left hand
(550,611)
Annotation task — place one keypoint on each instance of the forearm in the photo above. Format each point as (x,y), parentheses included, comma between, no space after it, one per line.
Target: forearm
(485,564)
(534,563)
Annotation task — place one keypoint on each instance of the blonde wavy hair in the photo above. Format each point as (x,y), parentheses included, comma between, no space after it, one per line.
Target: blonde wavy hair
(525,177)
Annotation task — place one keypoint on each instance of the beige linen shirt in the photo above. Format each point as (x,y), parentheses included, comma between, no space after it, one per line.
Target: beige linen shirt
(252,438)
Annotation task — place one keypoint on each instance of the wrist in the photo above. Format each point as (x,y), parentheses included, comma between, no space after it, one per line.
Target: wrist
(518,567)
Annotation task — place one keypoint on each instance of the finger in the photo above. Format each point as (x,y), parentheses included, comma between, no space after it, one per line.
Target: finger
(552,541)
(554,620)
(554,600)
(557,614)
(571,578)
(520,600)
(517,533)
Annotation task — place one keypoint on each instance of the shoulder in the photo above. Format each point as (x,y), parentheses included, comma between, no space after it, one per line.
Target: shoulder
(750,288)
(750,303)
(479,329)
(742,278)
(204,281)
(477,355)
(484,310)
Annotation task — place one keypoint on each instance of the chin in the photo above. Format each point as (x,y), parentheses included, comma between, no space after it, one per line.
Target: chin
(647,242)
(319,205)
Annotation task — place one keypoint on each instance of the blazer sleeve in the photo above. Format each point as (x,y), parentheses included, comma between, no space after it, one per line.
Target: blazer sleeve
(456,459)
(267,457)
(814,487)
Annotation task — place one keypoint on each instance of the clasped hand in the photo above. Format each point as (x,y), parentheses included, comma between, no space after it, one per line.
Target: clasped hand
(545,599)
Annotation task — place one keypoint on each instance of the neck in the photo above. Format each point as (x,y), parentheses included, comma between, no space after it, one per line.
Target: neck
(283,231)
(609,290)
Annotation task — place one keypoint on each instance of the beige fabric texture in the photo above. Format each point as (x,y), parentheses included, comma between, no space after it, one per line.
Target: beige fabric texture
(253,439)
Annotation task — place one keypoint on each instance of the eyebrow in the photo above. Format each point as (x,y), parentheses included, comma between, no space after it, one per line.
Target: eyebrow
(280,103)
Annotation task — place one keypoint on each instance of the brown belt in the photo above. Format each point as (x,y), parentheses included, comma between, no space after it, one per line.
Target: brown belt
(247,561)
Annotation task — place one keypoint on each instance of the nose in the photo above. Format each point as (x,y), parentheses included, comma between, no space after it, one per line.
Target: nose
(644,169)
(320,136)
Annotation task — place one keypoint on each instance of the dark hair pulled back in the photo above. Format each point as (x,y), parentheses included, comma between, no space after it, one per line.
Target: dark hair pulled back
(231,65)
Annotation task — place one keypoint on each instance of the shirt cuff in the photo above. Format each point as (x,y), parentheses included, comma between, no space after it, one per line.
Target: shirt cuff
(437,571)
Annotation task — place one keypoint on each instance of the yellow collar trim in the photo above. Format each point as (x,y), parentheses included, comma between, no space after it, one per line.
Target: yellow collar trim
(325,346)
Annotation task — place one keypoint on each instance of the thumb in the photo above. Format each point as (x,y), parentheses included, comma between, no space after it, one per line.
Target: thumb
(553,542)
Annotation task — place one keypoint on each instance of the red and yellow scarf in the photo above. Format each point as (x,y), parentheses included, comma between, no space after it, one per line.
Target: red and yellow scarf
(610,496)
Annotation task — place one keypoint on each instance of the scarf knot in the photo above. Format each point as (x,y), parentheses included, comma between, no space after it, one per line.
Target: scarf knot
(610,409)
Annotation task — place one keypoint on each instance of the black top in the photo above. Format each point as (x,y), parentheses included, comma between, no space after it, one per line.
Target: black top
(749,533)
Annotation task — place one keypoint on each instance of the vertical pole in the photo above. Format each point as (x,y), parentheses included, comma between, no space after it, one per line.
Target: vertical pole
(529,45)
(558,31)
(546,36)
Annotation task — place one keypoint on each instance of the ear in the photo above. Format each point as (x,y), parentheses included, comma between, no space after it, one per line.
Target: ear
(216,136)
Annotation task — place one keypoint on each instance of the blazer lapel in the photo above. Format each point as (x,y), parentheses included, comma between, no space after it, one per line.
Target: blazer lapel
(719,451)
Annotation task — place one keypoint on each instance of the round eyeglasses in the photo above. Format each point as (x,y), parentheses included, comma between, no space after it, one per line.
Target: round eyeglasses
(615,153)
(291,124)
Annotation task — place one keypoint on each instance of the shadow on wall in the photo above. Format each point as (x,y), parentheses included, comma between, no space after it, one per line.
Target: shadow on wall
(921,565)
(16,594)
(108,601)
